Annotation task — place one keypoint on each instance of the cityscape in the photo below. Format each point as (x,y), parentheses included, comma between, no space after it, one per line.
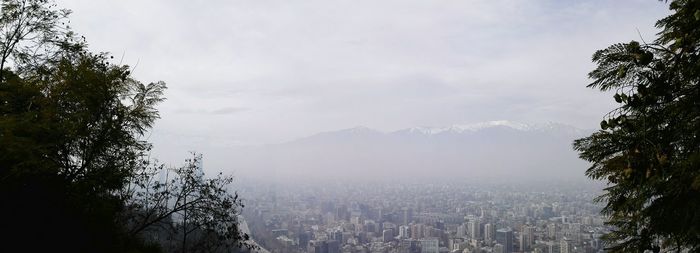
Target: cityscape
(425,218)
(339,126)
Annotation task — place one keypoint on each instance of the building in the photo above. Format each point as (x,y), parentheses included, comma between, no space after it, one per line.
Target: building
(552,247)
(333,246)
(455,244)
(417,231)
(474,228)
(552,231)
(406,216)
(489,233)
(462,231)
(527,238)
(404,232)
(429,245)
(504,237)
(330,246)
(498,248)
(565,246)
(409,246)
(388,235)
(304,239)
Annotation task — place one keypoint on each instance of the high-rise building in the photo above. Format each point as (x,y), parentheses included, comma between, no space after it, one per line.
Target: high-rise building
(388,235)
(406,215)
(462,231)
(565,246)
(417,231)
(474,228)
(489,233)
(304,238)
(404,232)
(527,238)
(370,226)
(552,231)
(504,237)
(341,213)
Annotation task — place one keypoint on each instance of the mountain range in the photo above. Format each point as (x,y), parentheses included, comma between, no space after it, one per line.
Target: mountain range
(496,150)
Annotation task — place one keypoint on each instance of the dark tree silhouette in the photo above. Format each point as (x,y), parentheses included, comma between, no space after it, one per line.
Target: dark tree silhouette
(71,144)
(31,32)
(648,149)
(182,210)
(70,137)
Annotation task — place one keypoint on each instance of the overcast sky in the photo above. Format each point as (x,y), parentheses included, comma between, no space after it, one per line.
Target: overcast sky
(258,71)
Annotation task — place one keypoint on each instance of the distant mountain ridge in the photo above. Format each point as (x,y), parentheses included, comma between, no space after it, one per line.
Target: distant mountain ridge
(490,150)
(475,127)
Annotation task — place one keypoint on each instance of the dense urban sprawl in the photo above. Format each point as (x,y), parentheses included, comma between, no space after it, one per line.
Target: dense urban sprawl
(425,218)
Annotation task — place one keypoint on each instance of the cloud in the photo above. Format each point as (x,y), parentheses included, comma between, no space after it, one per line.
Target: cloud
(267,71)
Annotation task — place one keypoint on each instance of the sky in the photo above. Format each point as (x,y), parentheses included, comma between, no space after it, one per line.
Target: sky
(257,72)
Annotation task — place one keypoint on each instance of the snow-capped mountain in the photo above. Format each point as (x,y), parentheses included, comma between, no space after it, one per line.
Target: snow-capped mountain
(469,127)
(502,150)
(472,128)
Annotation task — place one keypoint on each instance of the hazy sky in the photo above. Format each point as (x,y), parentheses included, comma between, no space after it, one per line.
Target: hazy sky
(258,71)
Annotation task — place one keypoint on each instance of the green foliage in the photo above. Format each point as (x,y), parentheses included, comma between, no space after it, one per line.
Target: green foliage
(71,147)
(71,138)
(648,149)
(183,209)
(31,31)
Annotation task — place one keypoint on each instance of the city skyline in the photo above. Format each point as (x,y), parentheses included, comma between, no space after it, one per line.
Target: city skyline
(329,217)
(350,126)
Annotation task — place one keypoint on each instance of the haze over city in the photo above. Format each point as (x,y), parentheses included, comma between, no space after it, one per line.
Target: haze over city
(350,126)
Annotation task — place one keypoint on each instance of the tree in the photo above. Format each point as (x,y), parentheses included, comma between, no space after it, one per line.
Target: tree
(70,137)
(648,149)
(30,31)
(184,211)
(71,142)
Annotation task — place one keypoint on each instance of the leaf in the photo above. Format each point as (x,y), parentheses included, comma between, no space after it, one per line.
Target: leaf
(696,183)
